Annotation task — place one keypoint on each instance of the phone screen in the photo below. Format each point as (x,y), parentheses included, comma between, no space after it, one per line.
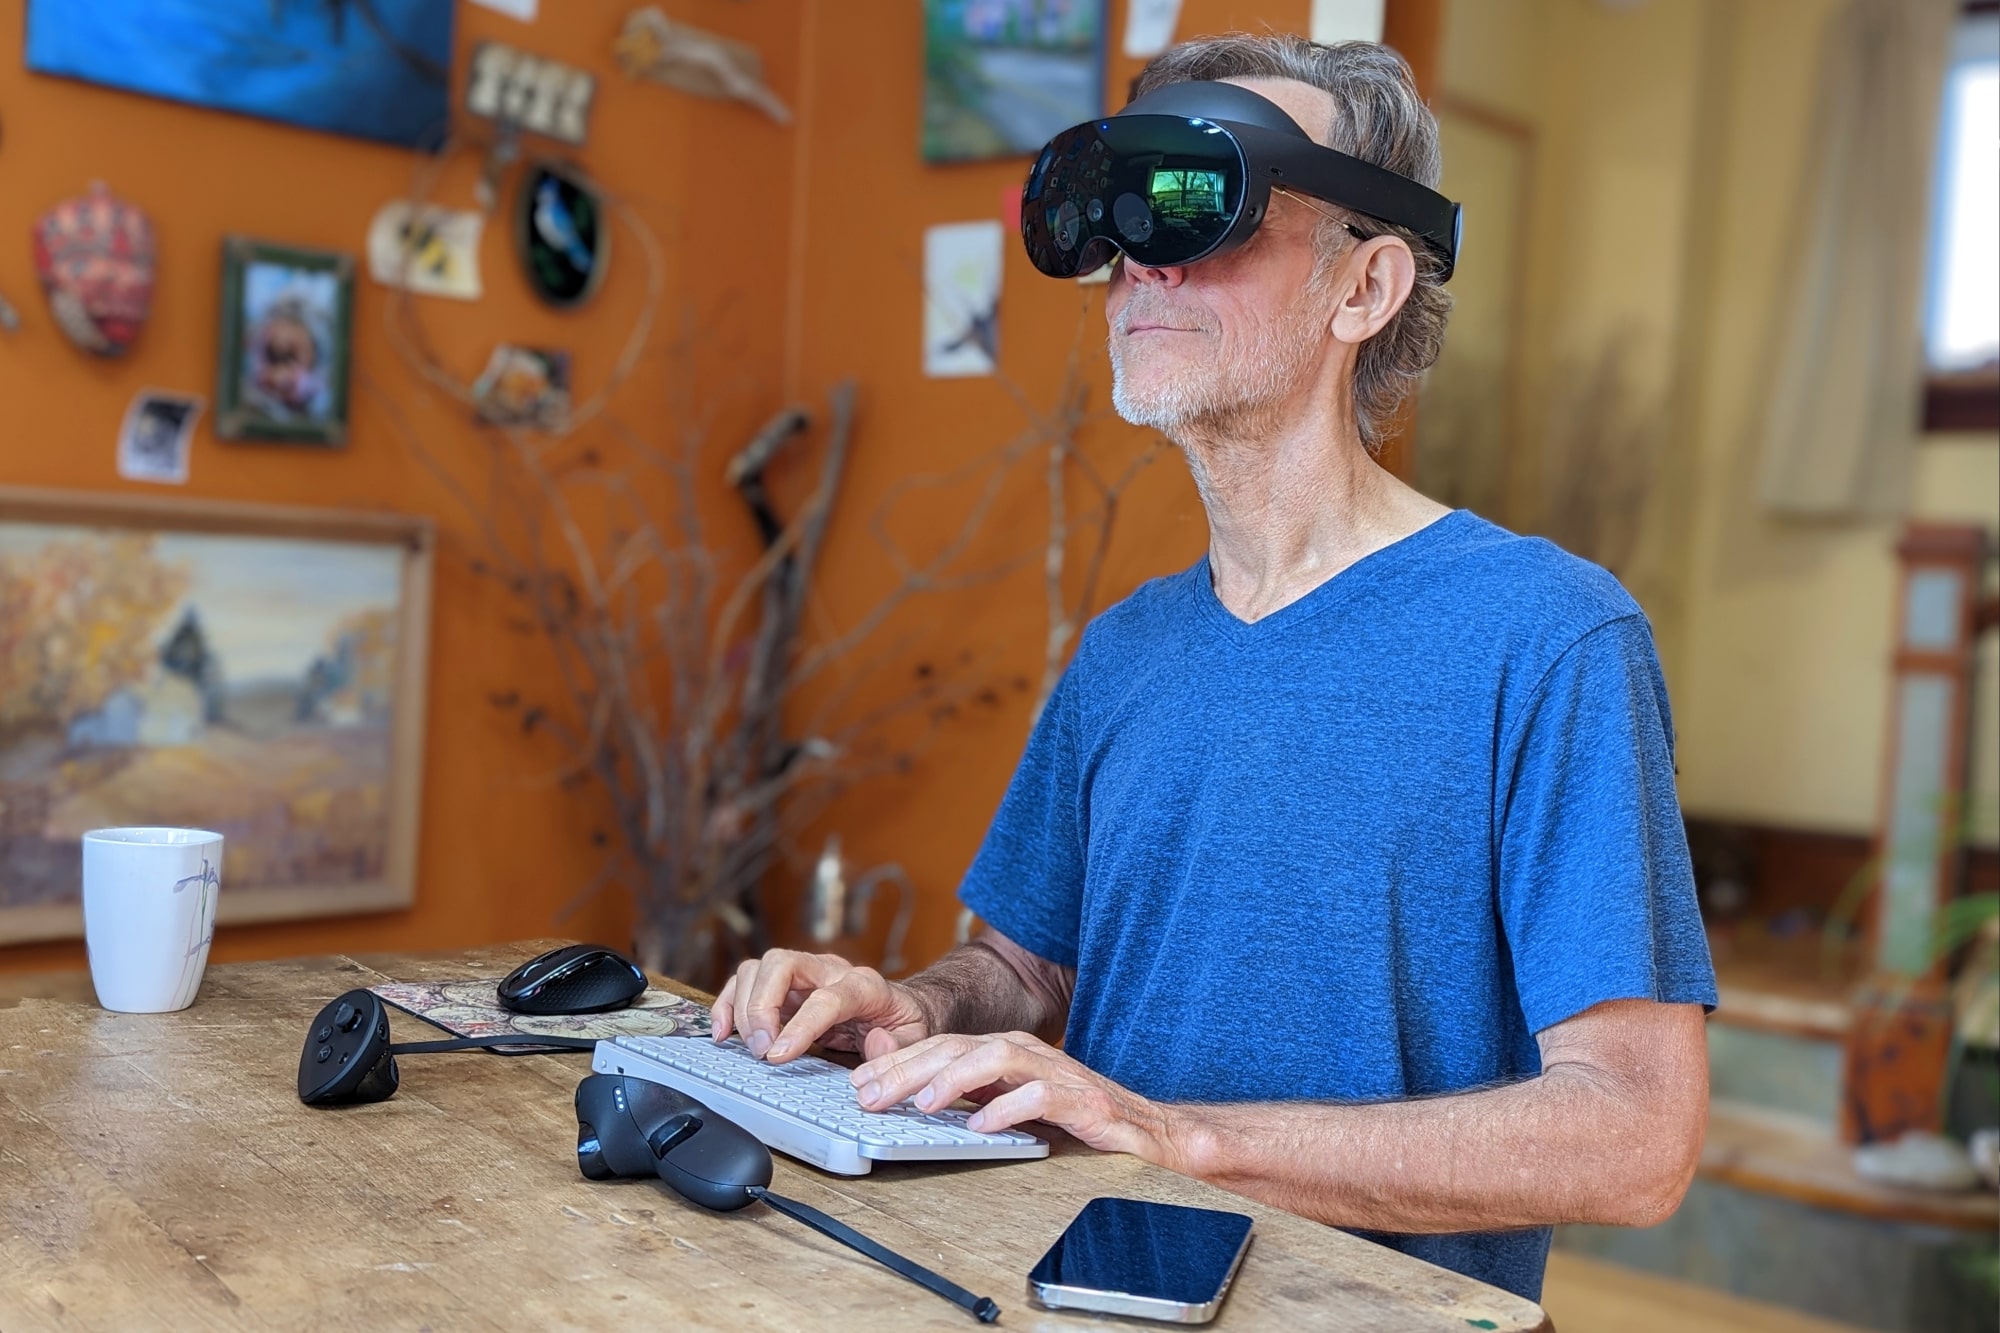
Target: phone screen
(1155,1251)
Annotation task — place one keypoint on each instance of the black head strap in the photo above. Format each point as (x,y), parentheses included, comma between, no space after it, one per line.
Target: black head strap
(1282,154)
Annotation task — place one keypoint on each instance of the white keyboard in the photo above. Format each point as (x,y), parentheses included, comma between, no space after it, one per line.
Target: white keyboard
(805,1108)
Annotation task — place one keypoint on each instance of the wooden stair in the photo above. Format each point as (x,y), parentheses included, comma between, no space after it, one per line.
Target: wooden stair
(1795,1157)
(1777,1212)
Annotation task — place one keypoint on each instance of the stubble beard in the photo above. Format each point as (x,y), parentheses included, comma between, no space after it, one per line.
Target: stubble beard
(1232,396)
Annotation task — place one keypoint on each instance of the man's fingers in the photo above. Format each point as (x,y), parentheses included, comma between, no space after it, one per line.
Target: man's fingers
(823,1009)
(938,1072)
(877,1043)
(1033,1100)
(778,973)
(889,1078)
(859,996)
(727,1017)
(719,1012)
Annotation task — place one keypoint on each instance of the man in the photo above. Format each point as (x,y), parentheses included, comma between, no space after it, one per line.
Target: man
(1347,864)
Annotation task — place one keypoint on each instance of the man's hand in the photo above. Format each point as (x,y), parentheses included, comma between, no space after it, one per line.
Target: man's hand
(785,1001)
(1019,1077)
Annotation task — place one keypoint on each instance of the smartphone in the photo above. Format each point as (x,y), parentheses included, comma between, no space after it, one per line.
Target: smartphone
(1145,1260)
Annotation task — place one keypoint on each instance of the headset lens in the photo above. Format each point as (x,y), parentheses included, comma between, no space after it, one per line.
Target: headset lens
(1164,189)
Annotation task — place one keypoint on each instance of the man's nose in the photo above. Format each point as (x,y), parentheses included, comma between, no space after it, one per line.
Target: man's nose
(1171,276)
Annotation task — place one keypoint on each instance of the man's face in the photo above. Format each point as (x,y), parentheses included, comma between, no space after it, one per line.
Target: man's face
(1197,348)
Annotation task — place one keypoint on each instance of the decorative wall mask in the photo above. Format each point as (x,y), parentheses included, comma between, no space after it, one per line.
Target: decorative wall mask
(562,233)
(94,255)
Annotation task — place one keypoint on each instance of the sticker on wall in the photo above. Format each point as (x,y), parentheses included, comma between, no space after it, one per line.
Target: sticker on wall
(962,299)
(530,92)
(524,386)
(153,441)
(431,251)
(562,234)
(94,255)
(287,314)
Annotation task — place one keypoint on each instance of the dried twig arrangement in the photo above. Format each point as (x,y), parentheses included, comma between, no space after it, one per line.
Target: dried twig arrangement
(682,689)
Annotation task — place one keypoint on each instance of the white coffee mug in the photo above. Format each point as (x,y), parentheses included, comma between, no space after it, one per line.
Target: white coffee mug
(149,914)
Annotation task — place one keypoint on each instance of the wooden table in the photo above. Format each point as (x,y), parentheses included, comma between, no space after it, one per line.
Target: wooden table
(158,1171)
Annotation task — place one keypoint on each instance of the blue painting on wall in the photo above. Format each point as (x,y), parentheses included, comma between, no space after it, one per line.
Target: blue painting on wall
(379,69)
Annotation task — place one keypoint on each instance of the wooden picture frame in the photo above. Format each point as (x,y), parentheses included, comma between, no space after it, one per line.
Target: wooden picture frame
(282,363)
(259,670)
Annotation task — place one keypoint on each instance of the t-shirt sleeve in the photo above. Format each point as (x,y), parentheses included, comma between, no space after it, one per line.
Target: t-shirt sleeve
(1596,888)
(1027,880)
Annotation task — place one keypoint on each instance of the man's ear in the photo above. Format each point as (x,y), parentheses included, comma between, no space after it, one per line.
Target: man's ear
(1379,276)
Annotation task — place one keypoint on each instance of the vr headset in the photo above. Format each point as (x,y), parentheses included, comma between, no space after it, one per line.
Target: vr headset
(1186,173)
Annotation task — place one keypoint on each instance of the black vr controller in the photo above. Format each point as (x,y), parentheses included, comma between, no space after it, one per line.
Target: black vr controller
(628,1127)
(347,1057)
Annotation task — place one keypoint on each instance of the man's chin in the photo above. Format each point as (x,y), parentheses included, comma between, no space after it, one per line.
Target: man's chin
(1148,401)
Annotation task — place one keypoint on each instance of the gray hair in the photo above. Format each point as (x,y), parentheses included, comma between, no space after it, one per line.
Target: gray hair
(1379,118)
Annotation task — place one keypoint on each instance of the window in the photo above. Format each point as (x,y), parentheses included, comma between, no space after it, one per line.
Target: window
(1962,310)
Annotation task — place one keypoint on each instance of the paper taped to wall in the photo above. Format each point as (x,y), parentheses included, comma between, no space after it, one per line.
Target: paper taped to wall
(1346,21)
(962,299)
(1149,27)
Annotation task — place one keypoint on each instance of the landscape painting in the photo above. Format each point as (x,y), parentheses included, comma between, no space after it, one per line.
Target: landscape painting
(1003,77)
(377,69)
(253,672)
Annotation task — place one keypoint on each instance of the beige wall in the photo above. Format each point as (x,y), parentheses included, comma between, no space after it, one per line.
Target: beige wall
(1668,145)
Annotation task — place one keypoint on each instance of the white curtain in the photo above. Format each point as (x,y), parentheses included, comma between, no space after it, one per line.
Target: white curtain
(1846,394)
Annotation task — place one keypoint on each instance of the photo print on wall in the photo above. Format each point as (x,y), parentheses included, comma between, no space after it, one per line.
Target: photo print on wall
(153,441)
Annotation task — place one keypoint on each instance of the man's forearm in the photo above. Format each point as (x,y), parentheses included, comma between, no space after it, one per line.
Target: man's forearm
(1556,1148)
(978,987)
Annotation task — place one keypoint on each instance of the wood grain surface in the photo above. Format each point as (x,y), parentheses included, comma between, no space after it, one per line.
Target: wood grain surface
(158,1171)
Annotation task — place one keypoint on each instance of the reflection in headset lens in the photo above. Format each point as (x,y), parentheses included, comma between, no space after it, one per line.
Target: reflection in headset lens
(1163,189)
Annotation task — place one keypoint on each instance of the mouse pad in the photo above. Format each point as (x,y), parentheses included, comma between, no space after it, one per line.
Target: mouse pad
(472,1009)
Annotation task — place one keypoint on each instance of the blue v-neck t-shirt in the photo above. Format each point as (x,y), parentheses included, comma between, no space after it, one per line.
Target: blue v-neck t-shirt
(1361,849)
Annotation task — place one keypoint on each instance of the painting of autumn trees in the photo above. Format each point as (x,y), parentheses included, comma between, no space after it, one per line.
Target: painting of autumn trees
(230,681)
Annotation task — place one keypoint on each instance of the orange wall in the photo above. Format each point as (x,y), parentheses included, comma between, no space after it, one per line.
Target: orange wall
(856,306)
(799,252)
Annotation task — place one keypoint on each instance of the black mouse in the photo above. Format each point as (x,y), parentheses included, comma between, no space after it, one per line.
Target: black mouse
(628,1127)
(575,979)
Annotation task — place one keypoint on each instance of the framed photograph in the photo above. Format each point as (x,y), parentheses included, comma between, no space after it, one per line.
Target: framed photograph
(1003,77)
(256,670)
(379,70)
(281,371)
